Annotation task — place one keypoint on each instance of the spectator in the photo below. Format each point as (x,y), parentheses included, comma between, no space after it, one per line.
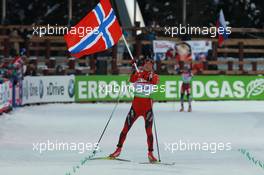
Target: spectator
(15,47)
(171,55)
(31,70)
(198,67)
(59,70)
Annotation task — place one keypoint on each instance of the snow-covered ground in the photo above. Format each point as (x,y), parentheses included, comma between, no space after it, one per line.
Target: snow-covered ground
(239,123)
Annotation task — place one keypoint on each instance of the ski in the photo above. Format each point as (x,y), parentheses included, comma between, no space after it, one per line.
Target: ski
(126,160)
(158,163)
(110,158)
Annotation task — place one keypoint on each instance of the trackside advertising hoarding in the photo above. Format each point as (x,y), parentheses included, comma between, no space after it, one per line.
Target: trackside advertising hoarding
(106,88)
(42,89)
(5,96)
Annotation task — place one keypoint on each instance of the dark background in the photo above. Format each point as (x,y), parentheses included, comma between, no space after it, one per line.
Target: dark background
(240,13)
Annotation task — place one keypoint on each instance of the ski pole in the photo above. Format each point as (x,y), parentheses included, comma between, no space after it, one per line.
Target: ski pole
(83,161)
(112,113)
(125,41)
(156,136)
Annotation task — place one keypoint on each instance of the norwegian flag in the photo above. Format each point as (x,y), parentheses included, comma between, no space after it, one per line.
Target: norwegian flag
(106,31)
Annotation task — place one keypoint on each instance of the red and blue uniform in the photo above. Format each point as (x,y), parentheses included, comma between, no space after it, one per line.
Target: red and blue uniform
(141,106)
(186,78)
(186,87)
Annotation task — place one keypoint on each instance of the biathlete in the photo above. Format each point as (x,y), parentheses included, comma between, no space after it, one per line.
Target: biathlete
(187,76)
(141,106)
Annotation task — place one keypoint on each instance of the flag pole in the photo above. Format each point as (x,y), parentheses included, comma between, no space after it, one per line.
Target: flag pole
(130,52)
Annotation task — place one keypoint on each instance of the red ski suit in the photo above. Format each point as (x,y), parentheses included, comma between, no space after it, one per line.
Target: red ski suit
(140,107)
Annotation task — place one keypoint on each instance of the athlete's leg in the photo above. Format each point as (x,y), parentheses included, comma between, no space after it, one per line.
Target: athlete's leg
(182,97)
(182,100)
(148,127)
(189,98)
(130,119)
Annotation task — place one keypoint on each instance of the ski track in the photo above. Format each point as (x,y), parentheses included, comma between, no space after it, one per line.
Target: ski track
(239,122)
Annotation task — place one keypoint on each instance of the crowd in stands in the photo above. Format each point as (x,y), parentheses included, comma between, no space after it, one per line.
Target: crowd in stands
(13,69)
(241,13)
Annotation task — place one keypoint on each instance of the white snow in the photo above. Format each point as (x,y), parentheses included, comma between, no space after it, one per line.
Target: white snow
(238,122)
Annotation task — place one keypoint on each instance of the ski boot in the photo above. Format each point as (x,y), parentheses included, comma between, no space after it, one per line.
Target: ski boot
(151,157)
(190,109)
(182,109)
(116,153)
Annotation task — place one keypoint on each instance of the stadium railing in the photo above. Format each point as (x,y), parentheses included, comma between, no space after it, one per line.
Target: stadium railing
(47,47)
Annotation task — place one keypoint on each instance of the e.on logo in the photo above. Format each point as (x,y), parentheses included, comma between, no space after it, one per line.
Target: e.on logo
(209,89)
(255,87)
(214,89)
